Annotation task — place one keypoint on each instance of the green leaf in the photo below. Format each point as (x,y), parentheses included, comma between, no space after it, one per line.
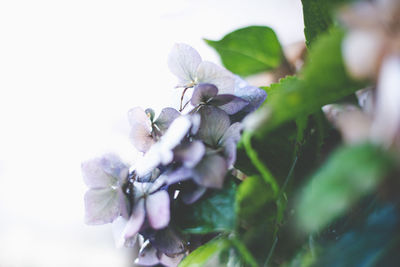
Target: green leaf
(206,253)
(317,18)
(349,174)
(322,81)
(211,214)
(249,50)
(252,196)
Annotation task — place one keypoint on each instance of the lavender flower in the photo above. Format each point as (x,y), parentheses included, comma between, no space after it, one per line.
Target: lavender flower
(162,152)
(150,205)
(105,200)
(186,63)
(220,139)
(145,131)
(253,95)
(207,94)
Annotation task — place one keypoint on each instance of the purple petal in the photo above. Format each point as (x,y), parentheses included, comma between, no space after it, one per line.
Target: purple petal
(171,261)
(101,206)
(230,152)
(211,171)
(223,79)
(202,93)
(189,153)
(179,175)
(166,117)
(183,62)
(254,95)
(136,220)
(168,242)
(233,132)
(192,193)
(94,175)
(229,103)
(214,123)
(141,137)
(157,209)
(137,115)
(147,255)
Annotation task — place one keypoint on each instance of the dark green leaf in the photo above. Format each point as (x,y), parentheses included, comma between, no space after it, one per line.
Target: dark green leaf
(373,242)
(349,174)
(213,213)
(206,253)
(252,196)
(249,50)
(317,18)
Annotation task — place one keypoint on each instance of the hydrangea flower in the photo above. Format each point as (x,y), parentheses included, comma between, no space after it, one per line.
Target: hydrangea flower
(184,155)
(105,200)
(217,132)
(145,131)
(220,139)
(186,63)
(162,152)
(207,94)
(150,208)
(252,94)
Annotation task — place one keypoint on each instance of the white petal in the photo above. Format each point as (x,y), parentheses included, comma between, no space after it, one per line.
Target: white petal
(173,137)
(101,206)
(118,227)
(94,175)
(157,209)
(361,52)
(149,161)
(141,137)
(353,124)
(209,72)
(387,120)
(137,115)
(183,62)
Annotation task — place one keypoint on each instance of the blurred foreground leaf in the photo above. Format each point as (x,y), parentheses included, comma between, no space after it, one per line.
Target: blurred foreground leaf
(369,243)
(323,80)
(349,174)
(249,50)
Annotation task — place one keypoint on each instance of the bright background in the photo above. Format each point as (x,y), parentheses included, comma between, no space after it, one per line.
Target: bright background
(69,72)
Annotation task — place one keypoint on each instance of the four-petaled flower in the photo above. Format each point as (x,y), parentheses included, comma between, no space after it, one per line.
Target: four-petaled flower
(186,63)
(105,200)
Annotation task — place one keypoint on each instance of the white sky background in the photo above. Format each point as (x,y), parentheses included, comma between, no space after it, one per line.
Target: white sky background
(69,72)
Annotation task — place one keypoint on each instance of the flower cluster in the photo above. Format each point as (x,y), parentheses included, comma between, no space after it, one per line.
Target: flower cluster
(185,154)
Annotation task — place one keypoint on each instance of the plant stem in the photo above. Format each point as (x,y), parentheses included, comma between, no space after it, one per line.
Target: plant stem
(265,173)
